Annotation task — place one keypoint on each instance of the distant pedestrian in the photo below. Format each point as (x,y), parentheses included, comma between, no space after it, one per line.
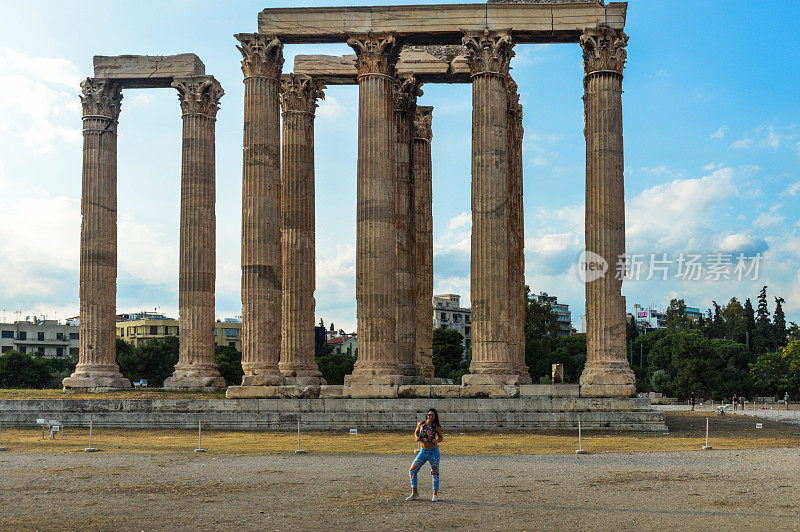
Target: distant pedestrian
(429,435)
(786,400)
(691,399)
(734,402)
(741,401)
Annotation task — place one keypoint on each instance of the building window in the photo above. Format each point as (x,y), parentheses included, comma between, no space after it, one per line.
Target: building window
(457,318)
(444,327)
(231,333)
(466,318)
(73,351)
(468,330)
(153,330)
(22,335)
(73,336)
(59,351)
(59,336)
(23,350)
(231,344)
(215,331)
(8,334)
(40,336)
(5,349)
(444,316)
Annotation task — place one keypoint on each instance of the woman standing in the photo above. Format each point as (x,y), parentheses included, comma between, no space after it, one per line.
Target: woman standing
(429,434)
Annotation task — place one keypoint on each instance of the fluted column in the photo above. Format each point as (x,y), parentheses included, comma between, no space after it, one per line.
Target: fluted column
(405,99)
(423,241)
(516,231)
(97,360)
(261,209)
(607,373)
(196,368)
(376,265)
(489,54)
(299,101)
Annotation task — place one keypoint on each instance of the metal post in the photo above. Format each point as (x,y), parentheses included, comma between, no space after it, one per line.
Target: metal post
(706,447)
(90,449)
(1,438)
(199,438)
(299,450)
(580,450)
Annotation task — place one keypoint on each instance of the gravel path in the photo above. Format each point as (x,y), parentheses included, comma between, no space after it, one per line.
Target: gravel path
(771,412)
(698,490)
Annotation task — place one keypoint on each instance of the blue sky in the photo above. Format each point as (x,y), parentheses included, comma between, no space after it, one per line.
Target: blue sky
(712,151)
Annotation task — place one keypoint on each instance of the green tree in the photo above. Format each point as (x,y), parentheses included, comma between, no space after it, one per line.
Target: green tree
(677,320)
(153,361)
(541,330)
(762,335)
(751,323)
(229,362)
(334,366)
(735,321)
(775,372)
(447,352)
(20,370)
(779,324)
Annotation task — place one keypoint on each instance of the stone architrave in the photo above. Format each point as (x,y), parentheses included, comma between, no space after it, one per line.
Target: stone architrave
(97,368)
(492,360)
(405,99)
(376,264)
(516,230)
(196,368)
(423,241)
(607,373)
(262,63)
(299,96)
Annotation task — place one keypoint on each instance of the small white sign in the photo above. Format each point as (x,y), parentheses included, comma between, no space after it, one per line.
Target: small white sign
(759,425)
(353,431)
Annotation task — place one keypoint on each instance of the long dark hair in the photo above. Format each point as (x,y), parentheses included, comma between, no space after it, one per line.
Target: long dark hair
(435,417)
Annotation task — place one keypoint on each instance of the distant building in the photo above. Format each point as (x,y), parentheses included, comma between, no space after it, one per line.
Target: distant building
(345,344)
(139,328)
(649,319)
(47,338)
(694,314)
(561,310)
(449,314)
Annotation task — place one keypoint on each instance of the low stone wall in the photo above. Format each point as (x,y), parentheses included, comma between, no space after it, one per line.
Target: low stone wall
(457,413)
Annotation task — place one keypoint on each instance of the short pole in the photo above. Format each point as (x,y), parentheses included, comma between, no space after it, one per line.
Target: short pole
(1,438)
(199,437)
(90,449)
(298,450)
(706,447)
(580,450)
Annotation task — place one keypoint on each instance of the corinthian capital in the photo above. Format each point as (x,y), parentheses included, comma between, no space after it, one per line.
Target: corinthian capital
(300,92)
(199,95)
(604,49)
(262,55)
(406,93)
(423,120)
(489,52)
(101,97)
(375,54)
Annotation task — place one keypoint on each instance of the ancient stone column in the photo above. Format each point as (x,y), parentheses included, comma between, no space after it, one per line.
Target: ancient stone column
(97,360)
(261,209)
(299,101)
(489,54)
(423,241)
(516,231)
(376,265)
(405,99)
(196,368)
(607,373)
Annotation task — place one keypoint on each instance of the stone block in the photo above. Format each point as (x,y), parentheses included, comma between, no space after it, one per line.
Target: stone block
(147,71)
(472,379)
(253,392)
(490,390)
(262,380)
(607,390)
(446,390)
(331,391)
(370,390)
(549,390)
(414,390)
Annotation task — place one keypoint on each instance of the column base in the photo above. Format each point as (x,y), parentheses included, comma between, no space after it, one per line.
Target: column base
(611,379)
(409,370)
(503,379)
(373,379)
(273,392)
(306,380)
(302,375)
(270,379)
(195,379)
(95,378)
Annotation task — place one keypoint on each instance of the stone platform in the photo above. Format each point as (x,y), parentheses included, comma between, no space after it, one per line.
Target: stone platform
(456,413)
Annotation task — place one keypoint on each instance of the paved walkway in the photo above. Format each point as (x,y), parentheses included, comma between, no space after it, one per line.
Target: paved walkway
(774,412)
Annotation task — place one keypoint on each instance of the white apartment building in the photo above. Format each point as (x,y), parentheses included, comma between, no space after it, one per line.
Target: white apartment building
(449,314)
(42,337)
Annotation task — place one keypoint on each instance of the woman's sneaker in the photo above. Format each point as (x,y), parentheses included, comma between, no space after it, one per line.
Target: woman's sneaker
(435,498)
(413,497)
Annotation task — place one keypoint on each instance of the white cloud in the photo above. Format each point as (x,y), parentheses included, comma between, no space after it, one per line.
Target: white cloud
(712,166)
(329,108)
(52,70)
(720,133)
(456,238)
(765,136)
(769,218)
(792,190)
(743,143)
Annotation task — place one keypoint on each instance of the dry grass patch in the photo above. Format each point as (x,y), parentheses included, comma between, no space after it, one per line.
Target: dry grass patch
(137,393)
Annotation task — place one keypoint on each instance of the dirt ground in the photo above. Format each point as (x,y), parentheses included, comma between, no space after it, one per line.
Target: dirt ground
(361,483)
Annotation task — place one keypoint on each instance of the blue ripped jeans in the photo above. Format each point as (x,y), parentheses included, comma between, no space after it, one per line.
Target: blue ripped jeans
(426,455)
